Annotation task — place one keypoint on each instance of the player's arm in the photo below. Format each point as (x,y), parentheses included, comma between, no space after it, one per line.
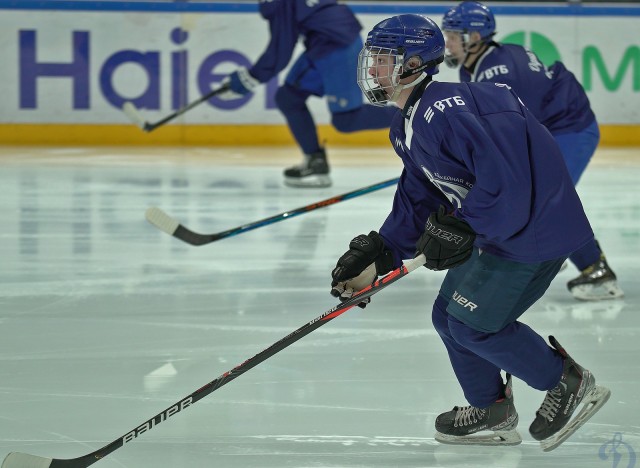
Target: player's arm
(284,32)
(415,199)
(284,36)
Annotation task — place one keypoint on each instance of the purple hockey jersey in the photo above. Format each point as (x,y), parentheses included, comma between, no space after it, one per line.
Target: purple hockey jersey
(475,148)
(553,94)
(325,26)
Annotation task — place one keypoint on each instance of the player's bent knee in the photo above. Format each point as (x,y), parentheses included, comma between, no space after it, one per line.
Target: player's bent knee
(439,316)
(469,335)
(287,99)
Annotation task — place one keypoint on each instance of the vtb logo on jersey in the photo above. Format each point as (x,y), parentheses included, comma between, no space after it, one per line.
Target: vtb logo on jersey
(490,73)
(442,104)
(399,144)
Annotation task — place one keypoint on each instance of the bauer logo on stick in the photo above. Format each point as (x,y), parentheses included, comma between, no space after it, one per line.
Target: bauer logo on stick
(151,423)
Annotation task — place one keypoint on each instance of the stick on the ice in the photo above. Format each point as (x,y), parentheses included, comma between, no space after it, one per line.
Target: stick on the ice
(25,460)
(166,223)
(130,110)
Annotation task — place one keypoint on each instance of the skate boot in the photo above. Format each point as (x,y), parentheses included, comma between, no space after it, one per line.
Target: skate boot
(596,282)
(313,172)
(553,423)
(461,425)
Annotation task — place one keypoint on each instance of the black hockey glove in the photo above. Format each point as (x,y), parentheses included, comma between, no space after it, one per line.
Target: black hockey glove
(446,242)
(359,267)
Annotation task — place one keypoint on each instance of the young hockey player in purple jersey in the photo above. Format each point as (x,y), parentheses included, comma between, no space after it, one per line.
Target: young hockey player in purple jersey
(557,100)
(332,42)
(501,216)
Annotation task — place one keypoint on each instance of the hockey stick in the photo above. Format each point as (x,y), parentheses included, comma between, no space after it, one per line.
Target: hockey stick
(133,114)
(25,460)
(166,223)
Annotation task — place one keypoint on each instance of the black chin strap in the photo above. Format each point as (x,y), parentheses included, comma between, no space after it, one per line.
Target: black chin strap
(422,67)
(408,108)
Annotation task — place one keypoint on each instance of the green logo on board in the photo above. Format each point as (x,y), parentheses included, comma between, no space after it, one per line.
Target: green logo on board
(539,44)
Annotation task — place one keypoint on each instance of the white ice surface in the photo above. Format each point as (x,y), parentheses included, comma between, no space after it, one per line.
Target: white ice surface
(105,321)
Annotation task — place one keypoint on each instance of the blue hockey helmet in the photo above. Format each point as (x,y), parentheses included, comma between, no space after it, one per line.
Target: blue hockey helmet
(400,39)
(469,17)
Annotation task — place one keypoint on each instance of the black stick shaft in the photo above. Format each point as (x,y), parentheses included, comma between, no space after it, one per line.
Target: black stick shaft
(149,127)
(304,209)
(194,238)
(91,458)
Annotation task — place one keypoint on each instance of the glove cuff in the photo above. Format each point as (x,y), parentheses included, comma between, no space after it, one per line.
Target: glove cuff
(384,260)
(247,80)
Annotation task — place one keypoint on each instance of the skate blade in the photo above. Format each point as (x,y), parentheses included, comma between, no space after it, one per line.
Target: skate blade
(589,292)
(317,181)
(591,405)
(511,437)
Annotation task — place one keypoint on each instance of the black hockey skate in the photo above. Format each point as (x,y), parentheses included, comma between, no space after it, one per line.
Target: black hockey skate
(554,423)
(313,172)
(596,282)
(461,425)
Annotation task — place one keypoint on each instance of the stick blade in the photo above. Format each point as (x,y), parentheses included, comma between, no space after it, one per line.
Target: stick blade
(130,110)
(24,460)
(161,220)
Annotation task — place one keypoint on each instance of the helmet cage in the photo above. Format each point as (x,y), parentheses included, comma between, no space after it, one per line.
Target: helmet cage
(388,67)
(380,70)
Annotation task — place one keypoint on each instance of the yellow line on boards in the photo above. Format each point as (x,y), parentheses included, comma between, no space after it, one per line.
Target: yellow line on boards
(223,135)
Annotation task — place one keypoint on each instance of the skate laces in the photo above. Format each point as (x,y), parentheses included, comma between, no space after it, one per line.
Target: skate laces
(598,269)
(551,404)
(468,415)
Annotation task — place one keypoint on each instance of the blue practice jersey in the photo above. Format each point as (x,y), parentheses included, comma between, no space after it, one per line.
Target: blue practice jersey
(553,94)
(325,26)
(476,149)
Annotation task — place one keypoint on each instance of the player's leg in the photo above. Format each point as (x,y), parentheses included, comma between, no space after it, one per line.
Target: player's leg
(475,315)
(578,148)
(485,297)
(292,103)
(302,81)
(554,422)
(491,405)
(596,280)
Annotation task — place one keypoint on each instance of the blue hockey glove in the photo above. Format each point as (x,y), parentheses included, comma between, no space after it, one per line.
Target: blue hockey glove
(446,242)
(366,259)
(239,83)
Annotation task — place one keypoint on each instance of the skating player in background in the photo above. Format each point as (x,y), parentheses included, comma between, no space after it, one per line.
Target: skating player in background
(557,100)
(331,35)
(502,215)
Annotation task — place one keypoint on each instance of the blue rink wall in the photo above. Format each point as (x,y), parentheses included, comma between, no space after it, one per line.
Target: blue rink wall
(69,66)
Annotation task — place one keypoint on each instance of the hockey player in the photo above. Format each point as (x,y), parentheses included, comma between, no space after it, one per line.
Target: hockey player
(332,42)
(501,216)
(554,96)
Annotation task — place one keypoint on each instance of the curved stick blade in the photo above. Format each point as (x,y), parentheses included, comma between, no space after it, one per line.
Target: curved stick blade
(161,220)
(130,110)
(24,460)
